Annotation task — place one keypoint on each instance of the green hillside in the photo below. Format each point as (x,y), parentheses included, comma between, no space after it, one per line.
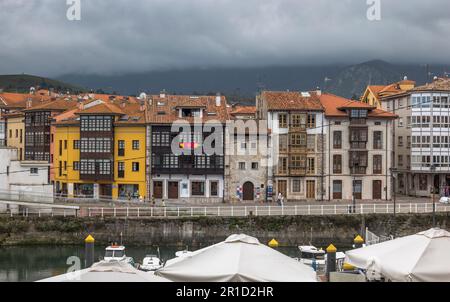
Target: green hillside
(23,82)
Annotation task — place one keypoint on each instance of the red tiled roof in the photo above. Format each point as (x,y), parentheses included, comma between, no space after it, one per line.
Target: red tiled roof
(335,107)
(247,110)
(439,84)
(285,100)
(163,110)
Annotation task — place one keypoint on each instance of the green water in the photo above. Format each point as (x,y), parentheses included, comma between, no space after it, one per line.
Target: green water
(31,263)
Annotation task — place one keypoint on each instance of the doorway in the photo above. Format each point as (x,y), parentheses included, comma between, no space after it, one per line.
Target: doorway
(282,188)
(357,189)
(173,190)
(248,191)
(158,189)
(376,189)
(310,189)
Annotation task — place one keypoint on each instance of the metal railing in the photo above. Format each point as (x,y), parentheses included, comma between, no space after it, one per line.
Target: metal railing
(244,211)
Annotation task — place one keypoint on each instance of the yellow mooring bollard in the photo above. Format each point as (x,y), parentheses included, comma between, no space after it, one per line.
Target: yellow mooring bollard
(358,241)
(89,251)
(273,243)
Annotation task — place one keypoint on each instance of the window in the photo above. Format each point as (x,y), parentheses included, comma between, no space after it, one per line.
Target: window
(377,164)
(255,166)
(298,140)
(76,144)
(283,143)
(378,140)
(337,164)
(76,166)
(408,122)
(337,139)
(423,182)
(65,165)
(60,148)
(408,141)
(135,167)
(337,189)
(121,148)
(21,136)
(17,133)
(311,166)
(400,141)
(298,121)
(60,168)
(282,120)
(241,165)
(282,165)
(120,169)
(296,185)
(10,133)
(65,144)
(135,145)
(311,142)
(34,171)
(400,160)
(311,121)
(214,188)
(197,188)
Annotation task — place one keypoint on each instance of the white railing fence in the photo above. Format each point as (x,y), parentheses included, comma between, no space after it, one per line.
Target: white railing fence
(221,211)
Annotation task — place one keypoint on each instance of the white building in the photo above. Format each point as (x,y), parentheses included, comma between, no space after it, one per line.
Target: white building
(23,180)
(421,137)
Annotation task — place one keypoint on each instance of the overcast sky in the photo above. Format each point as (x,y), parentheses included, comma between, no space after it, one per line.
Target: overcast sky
(119,36)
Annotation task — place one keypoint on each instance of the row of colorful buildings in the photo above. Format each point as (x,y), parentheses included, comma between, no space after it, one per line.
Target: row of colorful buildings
(307,146)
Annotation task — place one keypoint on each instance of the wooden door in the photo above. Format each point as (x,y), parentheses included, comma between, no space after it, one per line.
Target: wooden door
(282,188)
(376,189)
(173,190)
(311,189)
(158,189)
(248,191)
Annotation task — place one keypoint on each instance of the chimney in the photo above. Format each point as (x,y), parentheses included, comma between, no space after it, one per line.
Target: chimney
(80,105)
(435,78)
(405,78)
(32,90)
(29,103)
(142,107)
(318,91)
(218,100)
(123,104)
(162,94)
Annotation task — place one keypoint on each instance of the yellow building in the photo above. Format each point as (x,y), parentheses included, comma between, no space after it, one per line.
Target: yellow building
(15,131)
(374,93)
(100,151)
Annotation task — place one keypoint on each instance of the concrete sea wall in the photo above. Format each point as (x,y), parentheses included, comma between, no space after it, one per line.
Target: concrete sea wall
(202,231)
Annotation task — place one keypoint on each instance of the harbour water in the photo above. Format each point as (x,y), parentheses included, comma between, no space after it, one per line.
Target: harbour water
(31,263)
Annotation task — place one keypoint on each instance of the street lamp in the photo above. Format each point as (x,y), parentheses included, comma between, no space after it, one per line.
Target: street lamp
(433,189)
(394,177)
(355,166)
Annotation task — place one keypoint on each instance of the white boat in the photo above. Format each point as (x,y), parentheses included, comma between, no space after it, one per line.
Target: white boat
(117,253)
(151,263)
(310,254)
(183,253)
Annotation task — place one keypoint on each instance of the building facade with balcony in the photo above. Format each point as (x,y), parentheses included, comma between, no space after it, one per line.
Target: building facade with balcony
(358,150)
(180,167)
(295,121)
(421,138)
(99,150)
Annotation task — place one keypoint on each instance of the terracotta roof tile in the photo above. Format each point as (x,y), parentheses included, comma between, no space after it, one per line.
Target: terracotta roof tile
(335,107)
(440,84)
(285,100)
(163,110)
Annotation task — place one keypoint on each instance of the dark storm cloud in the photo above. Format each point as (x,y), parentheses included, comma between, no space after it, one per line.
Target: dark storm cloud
(122,36)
